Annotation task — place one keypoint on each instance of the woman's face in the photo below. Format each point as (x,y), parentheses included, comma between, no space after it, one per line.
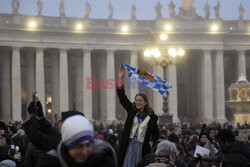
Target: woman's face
(212,133)
(81,152)
(140,103)
(203,139)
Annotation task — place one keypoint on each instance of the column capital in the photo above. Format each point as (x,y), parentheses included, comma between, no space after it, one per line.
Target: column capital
(111,51)
(16,47)
(41,48)
(207,51)
(86,51)
(63,49)
(219,51)
(241,51)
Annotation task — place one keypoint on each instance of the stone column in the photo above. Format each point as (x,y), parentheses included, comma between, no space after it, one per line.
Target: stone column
(110,94)
(158,100)
(16,85)
(31,74)
(40,81)
(172,99)
(219,87)
(87,92)
(133,84)
(6,85)
(241,63)
(63,81)
(207,87)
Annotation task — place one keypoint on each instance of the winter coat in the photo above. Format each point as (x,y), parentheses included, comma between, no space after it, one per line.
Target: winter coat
(102,155)
(147,159)
(238,155)
(152,132)
(161,162)
(41,134)
(32,156)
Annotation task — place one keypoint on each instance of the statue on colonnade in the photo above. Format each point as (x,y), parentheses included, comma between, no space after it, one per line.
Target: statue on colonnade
(217,10)
(187,11)
(39,7)
(62,9)
(87,9)
(171,9)
(187,4)
(111,10)
(207,10)
(241,12)
(15,6)
(158,9)
(133,12)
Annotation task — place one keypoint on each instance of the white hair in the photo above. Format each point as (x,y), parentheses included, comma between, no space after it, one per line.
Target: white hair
(166,148)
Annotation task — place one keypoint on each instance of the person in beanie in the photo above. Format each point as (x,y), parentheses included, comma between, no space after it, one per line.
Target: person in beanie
(78,147)
(7,163)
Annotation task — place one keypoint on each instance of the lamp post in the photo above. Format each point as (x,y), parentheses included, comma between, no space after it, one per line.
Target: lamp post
(164,57)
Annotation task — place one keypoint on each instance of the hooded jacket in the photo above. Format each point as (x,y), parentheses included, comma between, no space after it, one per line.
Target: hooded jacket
(238,155)
(103,155)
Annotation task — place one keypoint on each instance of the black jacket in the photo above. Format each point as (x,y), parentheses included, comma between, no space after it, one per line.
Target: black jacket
(237,155)
(103,155)
(152,133)
(32,156)
(41,134)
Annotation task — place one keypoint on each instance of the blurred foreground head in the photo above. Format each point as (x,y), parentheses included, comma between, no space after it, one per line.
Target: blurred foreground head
(77,135)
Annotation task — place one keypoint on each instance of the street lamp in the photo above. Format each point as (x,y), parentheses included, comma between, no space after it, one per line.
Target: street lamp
(164,57)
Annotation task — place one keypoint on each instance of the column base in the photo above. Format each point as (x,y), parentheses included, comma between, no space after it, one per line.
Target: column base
(221,120)
(165,119)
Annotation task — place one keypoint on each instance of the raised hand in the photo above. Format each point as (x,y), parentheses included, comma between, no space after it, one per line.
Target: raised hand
(121,73)
(205,121)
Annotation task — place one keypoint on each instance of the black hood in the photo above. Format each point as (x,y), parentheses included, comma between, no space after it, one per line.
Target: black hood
(240,147)
(100,149)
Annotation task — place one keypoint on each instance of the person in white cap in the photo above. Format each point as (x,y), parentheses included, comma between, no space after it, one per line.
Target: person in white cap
(7,163)
(78,147)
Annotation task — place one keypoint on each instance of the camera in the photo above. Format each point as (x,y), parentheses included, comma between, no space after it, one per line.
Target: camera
(12,150)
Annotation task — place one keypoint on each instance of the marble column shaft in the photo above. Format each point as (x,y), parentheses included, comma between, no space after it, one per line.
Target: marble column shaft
(110,94)
(63,81)
(87,93)
(172,99)
(16,85)
(207,87)
(219,87)
(241,63)
(40,81)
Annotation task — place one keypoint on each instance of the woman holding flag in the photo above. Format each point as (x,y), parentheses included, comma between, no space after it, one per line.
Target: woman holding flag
(140,131)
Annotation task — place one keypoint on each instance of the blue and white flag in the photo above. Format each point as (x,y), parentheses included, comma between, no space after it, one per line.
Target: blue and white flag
(149,80)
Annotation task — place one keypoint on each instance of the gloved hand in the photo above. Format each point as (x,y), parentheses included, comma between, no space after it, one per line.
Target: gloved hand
(32,108)
(39,109)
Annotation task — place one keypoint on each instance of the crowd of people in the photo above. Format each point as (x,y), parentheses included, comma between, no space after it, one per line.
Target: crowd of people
(74,141)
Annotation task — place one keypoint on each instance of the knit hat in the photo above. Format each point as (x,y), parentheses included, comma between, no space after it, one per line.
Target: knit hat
(75,130)
(7,163)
